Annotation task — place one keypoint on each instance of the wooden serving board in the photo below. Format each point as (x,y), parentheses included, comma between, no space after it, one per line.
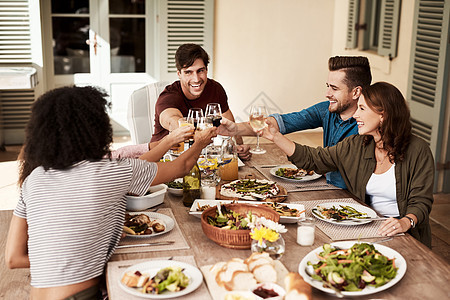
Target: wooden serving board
(219,293)
(283,193)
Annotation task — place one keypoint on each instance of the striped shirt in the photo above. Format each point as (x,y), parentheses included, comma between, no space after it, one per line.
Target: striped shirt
(75,217)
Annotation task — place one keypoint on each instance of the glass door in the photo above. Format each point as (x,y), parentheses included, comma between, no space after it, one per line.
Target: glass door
(102,43)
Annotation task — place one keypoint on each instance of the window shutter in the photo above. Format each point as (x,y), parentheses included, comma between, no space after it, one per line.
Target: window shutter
(15,39)
(427,79)
(353,18)
(389,20)
(183,22)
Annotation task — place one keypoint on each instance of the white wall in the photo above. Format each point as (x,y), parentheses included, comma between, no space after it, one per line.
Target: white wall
(395,71)
(276,47)
(281,48)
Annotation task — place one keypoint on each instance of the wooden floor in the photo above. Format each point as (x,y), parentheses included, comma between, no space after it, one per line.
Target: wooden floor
(439,217)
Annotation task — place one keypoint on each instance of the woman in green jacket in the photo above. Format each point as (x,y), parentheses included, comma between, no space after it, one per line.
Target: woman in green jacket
(385,165)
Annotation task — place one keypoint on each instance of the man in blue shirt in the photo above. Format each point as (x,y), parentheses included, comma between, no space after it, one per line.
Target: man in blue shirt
(347,76)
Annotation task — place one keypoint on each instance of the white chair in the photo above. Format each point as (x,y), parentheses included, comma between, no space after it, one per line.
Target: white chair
(141,111)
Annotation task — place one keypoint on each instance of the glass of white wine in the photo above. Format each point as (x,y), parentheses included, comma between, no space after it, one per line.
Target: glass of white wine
(258,115)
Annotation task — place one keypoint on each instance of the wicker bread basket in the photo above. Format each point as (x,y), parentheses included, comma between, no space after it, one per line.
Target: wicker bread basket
(235,239)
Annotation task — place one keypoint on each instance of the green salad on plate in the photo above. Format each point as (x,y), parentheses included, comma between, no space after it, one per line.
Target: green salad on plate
(353,269)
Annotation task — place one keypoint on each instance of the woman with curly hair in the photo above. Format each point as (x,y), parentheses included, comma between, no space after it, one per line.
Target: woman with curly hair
(71,209)
(385,165)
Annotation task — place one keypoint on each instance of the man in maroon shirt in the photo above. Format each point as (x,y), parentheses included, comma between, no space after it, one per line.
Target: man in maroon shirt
(193,90)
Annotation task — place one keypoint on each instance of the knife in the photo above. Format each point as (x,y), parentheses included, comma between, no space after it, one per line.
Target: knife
(362,219)
(146,244)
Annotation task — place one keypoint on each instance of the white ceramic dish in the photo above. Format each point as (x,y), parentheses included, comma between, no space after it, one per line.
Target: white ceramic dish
(302,178)
(283,219)
(400,262)
(270,286)
(176,192)
(168,222)
(152,267)
(156,197)
(361,208)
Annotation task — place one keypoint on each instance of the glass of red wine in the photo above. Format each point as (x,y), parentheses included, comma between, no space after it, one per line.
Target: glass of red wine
(214,112)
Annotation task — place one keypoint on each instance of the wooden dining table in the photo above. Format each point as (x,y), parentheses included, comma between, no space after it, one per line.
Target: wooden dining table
(427,275)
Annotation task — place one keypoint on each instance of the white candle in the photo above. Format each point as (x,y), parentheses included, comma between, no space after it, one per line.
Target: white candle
(209,192)
(305,235)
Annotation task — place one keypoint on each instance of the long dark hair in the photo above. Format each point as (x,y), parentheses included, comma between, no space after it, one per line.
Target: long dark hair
(67,125)
(395,130)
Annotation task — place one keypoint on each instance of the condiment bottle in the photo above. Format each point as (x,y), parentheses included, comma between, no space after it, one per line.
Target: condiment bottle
(191,186)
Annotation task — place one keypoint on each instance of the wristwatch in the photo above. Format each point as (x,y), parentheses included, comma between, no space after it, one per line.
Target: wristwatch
(411,221)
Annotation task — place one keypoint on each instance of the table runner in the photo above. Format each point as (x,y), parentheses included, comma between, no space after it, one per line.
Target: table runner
(115,269)
(174,235)
(343,232)
(300,186)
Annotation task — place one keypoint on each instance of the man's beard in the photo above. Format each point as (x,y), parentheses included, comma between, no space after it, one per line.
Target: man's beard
(339,107)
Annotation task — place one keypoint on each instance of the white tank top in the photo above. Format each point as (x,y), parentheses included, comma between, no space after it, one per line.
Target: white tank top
(382,191)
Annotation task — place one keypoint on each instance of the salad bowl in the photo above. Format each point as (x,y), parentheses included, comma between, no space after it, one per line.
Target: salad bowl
(239,238)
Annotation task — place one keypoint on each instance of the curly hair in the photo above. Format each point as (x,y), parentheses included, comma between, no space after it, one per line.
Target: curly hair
(67,125)
(186,55)
(395,130)
(356,68)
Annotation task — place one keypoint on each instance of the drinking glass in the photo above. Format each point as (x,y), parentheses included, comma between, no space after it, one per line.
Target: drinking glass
(214,112)
(195,114)
(184,121)
(208,163)
(204,123)
(258,115)
(305,231)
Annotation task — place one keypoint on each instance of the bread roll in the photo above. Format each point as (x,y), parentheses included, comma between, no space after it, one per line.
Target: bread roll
(241,281)
(265,273)
(296,287)
(226,273)
(256,255)
(130,279)
(260,261)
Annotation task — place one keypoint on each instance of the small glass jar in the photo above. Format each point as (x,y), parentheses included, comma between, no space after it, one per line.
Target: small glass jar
(306,231)
(209,189)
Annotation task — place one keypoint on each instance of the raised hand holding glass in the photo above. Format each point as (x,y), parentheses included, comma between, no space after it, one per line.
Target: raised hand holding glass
(258,115)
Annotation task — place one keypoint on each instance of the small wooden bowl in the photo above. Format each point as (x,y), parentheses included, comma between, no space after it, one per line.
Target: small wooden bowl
(235,239)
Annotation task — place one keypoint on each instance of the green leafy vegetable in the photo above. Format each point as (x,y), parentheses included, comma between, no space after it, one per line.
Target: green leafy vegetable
(175,184)
(355,268)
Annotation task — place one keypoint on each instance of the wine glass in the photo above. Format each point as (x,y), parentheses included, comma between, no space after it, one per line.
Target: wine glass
(214,112)
(204,123)
(258,115)
(194,115)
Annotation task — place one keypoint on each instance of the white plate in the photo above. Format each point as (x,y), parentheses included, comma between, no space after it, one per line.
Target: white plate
(152,267)
(283,219)
(361,208)
(166,220)
(302,178)
(240,163)
(400,262)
